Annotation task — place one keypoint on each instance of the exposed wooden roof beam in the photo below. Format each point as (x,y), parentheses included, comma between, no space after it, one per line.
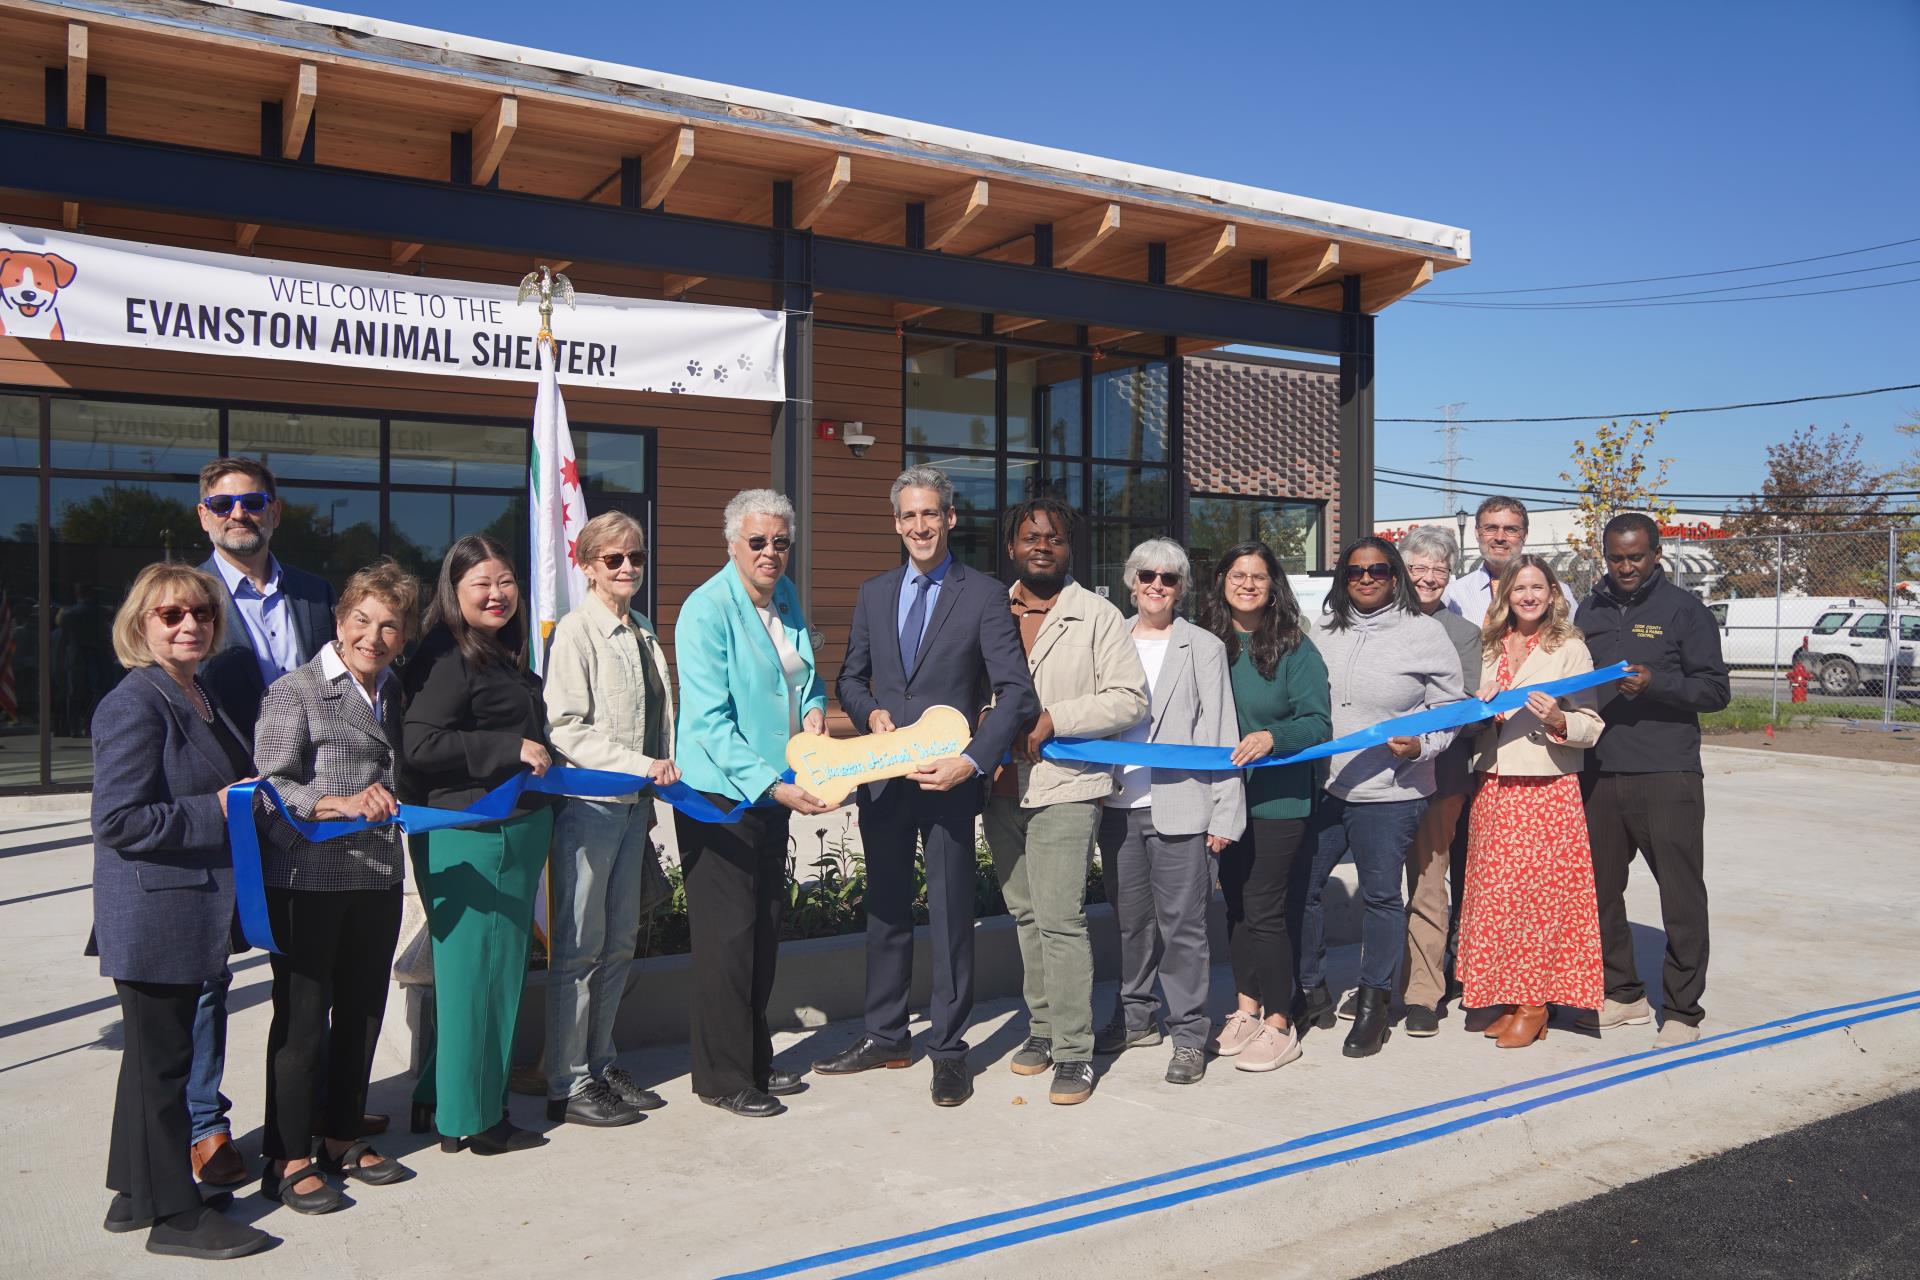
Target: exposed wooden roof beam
(677,286)
(813,192)
(1014,324)
(905,312)
(70,215)
(662,166)
(296,116)
(76,75)
(1384,288)
(1079,235)
(401,253)
(1189,256)
(491,134)
(1289,275)
(948,216)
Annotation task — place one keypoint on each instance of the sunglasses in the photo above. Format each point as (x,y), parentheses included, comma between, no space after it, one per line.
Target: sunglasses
(781,543)
(1147,577)
(172,615)
(221,504)
(1378,571)
(614,559)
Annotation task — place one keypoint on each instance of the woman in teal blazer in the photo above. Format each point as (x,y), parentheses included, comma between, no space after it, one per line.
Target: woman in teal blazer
(747,684)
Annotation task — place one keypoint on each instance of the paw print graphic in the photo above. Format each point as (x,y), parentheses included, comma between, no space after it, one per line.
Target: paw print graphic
(745,362)
(677,388)
(719,373)
(693,368)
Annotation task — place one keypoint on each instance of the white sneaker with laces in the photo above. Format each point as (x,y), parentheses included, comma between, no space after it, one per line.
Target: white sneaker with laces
(1235,1034)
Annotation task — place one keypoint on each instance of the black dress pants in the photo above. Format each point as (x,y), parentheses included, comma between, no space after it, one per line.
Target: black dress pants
(735,876)
(329,997)
(942,825)
(1663,817)
(1254,873)
(147,1155)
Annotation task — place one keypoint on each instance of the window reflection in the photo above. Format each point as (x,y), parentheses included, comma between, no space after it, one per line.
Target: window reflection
(307,446)
(19,431)
(459,453)
(110,435)
(1130,412)
(20,629)
(949,395)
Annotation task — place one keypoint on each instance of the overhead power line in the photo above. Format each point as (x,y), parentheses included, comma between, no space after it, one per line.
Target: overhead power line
(1654,413)
(1629,306)
(1685,275)
(1679,511)
(1688,293)
(1558,490)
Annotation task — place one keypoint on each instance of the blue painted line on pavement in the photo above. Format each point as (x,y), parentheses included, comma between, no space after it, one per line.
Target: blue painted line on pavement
(984,1221)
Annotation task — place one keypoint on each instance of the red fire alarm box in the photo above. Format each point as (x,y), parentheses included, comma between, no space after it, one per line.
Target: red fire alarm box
(829,430)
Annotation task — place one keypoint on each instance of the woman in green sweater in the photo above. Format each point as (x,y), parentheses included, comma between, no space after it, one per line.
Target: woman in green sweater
(1280,690)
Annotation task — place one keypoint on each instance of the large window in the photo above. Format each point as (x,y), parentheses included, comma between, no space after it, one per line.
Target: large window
(1008,424)
(120,478)
(1295,530)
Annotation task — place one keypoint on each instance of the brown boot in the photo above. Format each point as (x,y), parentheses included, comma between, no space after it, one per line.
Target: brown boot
(1529,1024)
(217,1162)
(1498,1027)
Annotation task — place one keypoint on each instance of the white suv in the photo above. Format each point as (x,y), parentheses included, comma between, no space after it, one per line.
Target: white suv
(1847,650)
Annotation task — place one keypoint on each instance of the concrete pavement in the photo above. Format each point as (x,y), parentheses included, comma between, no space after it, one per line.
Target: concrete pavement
(1814,881)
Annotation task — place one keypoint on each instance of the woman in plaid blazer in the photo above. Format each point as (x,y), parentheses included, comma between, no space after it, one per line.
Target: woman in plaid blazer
(328,739)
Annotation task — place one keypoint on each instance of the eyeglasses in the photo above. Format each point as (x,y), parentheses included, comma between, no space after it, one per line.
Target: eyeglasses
(614,559)
(1147,577)
(1248,579)
(1379,571)
(780,541)
(221,504)
(172,615)
(1511,530)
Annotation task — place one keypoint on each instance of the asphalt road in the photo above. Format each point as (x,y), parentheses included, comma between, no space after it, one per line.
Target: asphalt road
(1838,1198)
(1751,685)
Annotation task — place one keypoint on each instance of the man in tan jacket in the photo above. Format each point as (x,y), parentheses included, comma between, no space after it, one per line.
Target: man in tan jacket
(1041,815)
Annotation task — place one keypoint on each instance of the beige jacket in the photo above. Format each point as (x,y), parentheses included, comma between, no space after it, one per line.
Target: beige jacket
(1520,744)
(596,691)
(1088,676)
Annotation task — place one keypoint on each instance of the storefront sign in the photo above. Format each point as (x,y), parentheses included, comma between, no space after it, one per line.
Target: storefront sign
(61,287)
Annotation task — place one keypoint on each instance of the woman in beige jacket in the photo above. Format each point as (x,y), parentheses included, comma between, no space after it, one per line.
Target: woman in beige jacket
(1529,926)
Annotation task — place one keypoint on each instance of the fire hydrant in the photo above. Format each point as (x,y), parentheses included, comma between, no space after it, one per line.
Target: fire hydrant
(1797,680)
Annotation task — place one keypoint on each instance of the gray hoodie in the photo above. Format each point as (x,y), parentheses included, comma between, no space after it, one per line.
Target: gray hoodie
(1386,664)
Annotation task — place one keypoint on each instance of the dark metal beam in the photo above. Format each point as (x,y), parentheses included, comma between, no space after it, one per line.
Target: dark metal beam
(1356,417)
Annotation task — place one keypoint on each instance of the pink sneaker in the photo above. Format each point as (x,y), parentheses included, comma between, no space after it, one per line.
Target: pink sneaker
(1235,1034)
(1269,1050)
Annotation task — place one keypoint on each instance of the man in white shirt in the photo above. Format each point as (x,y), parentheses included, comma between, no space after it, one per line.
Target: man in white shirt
(1500,526)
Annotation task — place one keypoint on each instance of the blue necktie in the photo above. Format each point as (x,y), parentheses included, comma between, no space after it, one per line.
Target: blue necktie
(915,625)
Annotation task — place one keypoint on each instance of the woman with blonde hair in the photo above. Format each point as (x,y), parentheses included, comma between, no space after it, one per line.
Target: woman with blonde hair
(1529,924)
(609,707)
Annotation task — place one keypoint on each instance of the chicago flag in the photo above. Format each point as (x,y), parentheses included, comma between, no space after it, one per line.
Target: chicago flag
(558,510)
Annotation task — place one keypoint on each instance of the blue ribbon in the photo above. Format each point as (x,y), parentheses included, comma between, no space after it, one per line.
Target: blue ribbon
(1162,755)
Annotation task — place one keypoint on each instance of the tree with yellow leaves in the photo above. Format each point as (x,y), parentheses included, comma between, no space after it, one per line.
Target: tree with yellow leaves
(1611,471)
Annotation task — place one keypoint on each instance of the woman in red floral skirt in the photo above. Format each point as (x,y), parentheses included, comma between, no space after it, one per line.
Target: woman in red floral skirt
(1529,926)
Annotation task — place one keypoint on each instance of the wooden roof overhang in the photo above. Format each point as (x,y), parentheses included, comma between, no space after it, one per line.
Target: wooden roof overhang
(266,115)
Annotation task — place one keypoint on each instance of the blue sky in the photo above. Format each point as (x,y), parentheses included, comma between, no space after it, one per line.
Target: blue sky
(1577,143)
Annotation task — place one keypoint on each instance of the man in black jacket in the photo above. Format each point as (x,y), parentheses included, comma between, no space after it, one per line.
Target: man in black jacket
(1643,784)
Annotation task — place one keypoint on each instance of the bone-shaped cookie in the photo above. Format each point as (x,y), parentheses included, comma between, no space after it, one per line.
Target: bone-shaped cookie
(831,768)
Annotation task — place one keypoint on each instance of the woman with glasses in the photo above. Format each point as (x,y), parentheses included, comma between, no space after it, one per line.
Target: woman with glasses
(475,719)
(1385,658)
(609,706)
(1280,700)
(747,684)
(1430,552)
(164,756)
(1529,925)
(1158,826)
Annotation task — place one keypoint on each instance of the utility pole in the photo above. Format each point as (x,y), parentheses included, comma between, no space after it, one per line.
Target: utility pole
(1450,456)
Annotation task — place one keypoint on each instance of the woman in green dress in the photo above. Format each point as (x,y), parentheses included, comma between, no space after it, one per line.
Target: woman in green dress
(475,718)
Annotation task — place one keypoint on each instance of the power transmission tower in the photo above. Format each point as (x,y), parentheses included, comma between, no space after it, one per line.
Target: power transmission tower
(1450,456)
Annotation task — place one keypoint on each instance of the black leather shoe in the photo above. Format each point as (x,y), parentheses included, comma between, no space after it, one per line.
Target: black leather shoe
(865,1054)
(1369,1023)
(595,1105)
(120,1215)
(952,1082)
(1316,1008)
(754,1104)
(204,1233)
(1349,1008)
(781,1084)
(324,1198)
(504,1137)
(1421,1021)
(629,1091)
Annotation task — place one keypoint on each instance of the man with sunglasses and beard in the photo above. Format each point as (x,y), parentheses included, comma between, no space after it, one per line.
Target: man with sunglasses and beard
(1042,815)
(277,618)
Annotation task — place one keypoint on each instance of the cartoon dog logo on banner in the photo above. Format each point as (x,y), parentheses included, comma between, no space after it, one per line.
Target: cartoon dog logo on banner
(30,284)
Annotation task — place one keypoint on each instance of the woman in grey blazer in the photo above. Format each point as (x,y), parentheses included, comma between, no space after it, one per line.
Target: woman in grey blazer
(328,740)
(164,755)
(1159,826)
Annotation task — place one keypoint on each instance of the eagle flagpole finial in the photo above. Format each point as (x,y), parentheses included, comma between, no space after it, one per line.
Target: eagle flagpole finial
(546,284)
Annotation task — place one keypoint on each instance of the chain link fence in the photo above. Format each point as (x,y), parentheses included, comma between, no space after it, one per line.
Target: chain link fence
(1820,624)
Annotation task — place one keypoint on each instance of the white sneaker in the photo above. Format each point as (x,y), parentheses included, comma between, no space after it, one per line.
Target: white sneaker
(1613,1014)
(1673,1031)
(1269,1050)
(1235,1034)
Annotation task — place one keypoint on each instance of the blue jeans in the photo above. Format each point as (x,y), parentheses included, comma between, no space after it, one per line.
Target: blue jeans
(601,852)
(1378,836)
(207,1107)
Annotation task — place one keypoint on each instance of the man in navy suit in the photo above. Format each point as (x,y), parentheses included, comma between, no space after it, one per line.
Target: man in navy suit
(929,633)
(277,618)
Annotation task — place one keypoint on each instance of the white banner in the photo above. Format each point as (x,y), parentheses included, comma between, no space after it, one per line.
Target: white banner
(55,285)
